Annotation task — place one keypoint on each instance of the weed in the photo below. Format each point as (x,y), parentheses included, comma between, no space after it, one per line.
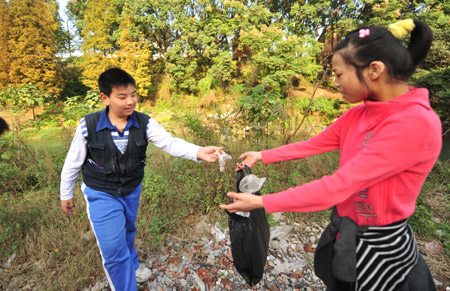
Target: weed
(430,220)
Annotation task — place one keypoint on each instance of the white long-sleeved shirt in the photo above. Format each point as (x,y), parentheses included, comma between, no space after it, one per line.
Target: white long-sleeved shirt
(156,134)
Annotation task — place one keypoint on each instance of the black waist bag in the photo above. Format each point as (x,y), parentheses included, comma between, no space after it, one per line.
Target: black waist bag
(249,238)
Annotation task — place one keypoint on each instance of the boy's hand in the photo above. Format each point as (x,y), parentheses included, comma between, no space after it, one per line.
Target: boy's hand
(243,202)
(209,154)
(251,158)
(67,206)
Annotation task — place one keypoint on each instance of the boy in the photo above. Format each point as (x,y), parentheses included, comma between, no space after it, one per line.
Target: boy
(109,147)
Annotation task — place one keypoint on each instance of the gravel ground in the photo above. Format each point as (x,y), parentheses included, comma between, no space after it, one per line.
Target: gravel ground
(208,263)
(204,262)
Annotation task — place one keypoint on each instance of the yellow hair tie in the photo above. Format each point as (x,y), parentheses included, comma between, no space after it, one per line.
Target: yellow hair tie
(401,28)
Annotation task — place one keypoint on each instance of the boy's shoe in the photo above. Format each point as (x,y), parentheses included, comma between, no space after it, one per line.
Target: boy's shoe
(143,273)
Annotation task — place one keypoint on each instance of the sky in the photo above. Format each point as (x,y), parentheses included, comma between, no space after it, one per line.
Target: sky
(62,7)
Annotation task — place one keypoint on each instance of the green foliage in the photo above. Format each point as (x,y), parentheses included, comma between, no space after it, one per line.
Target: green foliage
(437,83)
(153,186)
(437,15)
(261,107)
(205,84)
(195,123)
(431,217)
(19,100)
(73,85)
(277,57)
(24,97)
(422,220)
(15,224)
(76,107)
(182,69)
(223,69)
(329,109)
(174,189)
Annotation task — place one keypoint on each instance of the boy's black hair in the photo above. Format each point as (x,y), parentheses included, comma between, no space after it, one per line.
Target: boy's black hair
(114,77)
(381,45)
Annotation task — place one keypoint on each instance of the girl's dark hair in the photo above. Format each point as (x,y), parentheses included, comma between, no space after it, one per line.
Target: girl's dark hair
(114,77)
(381,45)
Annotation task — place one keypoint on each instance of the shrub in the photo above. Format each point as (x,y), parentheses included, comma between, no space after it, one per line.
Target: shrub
(262,106)
(328,109)
(437,83)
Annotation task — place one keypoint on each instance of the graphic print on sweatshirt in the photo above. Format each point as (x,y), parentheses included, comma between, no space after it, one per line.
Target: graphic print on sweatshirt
(361,207)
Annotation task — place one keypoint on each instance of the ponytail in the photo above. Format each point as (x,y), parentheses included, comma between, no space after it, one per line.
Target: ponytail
(420,42)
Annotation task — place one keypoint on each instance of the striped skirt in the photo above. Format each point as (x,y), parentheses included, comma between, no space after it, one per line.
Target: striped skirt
(385,256)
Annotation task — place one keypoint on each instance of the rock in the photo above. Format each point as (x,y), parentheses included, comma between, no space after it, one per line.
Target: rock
(99,285)
(10,259)
(88,236)
(210,261)
(277,216)
(199,281)
(39,265)
(296,265)
(143,273)
(433,247)
(280,231)
(219,234)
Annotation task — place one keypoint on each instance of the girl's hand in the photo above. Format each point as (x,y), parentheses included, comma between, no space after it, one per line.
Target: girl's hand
(251,158)
(209,154)
(243,202)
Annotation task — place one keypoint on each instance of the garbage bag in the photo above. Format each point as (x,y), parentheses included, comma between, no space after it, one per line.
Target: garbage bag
(249,238)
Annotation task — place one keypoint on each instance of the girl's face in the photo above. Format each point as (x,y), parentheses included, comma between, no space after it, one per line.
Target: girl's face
(347,81)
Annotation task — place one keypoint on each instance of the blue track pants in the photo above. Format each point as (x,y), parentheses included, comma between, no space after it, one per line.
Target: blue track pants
(113,222)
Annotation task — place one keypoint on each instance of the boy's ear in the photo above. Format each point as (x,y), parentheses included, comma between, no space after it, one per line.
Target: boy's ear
(376,69)
(104,98)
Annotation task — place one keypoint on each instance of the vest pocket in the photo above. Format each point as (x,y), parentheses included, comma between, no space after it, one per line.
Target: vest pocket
(141,143)
(97,150)
(96,146)
(141,148)
(98,167)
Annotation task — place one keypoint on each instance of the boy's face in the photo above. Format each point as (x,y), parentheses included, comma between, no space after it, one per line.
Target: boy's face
(121,101)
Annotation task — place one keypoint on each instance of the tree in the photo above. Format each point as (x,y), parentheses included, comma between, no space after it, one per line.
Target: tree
(31,44)
(100,36)
(4,57)
(18,100)
(134,54)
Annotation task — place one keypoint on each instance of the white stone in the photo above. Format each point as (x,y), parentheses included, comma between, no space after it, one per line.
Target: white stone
(143,273)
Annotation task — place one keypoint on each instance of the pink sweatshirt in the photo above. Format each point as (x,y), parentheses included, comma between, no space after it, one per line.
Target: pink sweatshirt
(387,150)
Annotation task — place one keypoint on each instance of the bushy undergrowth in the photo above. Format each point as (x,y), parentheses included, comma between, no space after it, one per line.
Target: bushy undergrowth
(48,244)
(431,218)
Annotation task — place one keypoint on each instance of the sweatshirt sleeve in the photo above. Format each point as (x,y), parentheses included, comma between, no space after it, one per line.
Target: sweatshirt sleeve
(73,163)
(327,140)
(399,146)
(176,147)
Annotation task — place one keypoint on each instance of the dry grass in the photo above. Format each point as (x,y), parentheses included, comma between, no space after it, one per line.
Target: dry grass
(52,253)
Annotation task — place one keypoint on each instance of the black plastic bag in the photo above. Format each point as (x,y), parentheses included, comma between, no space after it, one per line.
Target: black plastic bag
(249,238)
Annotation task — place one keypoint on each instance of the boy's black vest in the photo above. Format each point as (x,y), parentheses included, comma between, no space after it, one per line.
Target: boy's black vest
(106,168)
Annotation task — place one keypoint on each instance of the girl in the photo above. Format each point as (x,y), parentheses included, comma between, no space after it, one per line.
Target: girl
(388,145)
